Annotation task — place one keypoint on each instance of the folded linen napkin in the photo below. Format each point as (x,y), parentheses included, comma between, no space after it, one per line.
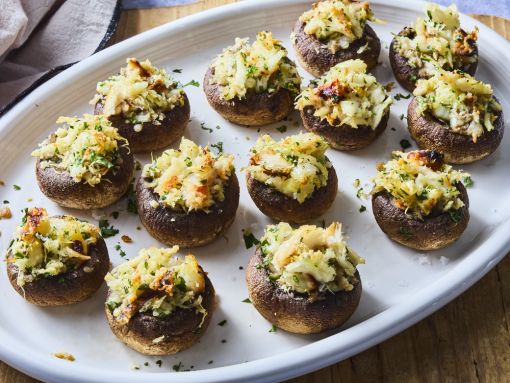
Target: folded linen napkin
(39,38)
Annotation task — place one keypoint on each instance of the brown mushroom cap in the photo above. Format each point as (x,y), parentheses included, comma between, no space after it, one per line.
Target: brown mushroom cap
(281,207)
(152,137)
(316,58)
(61,188)
(196,228)
(300,313)
(255,109)
(430,133)
(407,75)
(431,233)
(343,137)
(67,288)
(181,329)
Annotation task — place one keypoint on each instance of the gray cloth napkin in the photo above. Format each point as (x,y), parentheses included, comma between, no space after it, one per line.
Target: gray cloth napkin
(39,38)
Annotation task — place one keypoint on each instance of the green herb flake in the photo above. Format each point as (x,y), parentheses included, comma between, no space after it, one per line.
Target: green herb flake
(222,323)
(115,214)
(192,83)
(362,208)
(405,232)
(203,127)
(247,300)
(218,146)
(273,328)
(16,187)
(107,230)
(455,215)
(177,367)
(177,70)
(159,362)
(400,96)
(249,239)
(282,129)
(467,181)
(405,144)
(402,116)
(5,202)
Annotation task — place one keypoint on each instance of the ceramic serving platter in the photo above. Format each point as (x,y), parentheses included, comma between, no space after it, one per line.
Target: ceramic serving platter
(400,286)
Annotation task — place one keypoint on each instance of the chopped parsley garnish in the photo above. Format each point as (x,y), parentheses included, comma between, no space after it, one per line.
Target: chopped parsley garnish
(218,146)
(192,83)
(362,208)
(115,214)
(210,362)
(177,367)
(159,362)
(223,341)
(106,230)
(218,127)
(249,239)
(467,181)
(359,193)
(222,323)
(5,202)
(402,116)
(203,127)
(122,253)
(273,328)
(16,187)
(405,144)
(138,165)
(455,215)
(400,96)
(282,129)
(131,199)
(247,300)
(177,71)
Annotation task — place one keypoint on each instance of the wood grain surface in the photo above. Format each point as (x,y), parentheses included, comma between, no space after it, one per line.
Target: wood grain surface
(466,341)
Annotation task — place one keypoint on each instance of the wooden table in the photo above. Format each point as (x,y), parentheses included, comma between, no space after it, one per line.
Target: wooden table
(466,341)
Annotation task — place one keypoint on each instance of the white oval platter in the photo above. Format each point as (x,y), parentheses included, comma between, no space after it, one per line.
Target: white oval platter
(400,286)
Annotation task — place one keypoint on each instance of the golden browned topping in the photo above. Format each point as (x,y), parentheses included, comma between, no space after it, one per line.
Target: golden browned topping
(346,94)
(155,282)
(466,105)
(295,166)
(437,41)
(309,259)
(140,93)
(46,246)
(338,22)
(85,147)
(260,67)
(190,178)
(420,182)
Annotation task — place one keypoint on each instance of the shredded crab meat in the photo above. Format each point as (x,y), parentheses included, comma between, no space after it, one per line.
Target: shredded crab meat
(309,259)
(346,94)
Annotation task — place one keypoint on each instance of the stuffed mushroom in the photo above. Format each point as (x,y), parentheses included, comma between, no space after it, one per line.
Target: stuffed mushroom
(432,42)
(252,84)
(147,106)
(54,261)
(347,106)
(86,164)
(304,280)
(291,180)
(188,197)
(419,201)
(334,31)
(457,115)
(159,303)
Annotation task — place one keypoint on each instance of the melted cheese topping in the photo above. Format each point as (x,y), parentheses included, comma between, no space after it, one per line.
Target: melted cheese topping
(419,183)
(47,246)
(339,22)
(437,41)
(155,282)
(295,165)
(87,148)
(191,178)
(346,94)
(309,259)
(464,103)
(261,67)
(140,93)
